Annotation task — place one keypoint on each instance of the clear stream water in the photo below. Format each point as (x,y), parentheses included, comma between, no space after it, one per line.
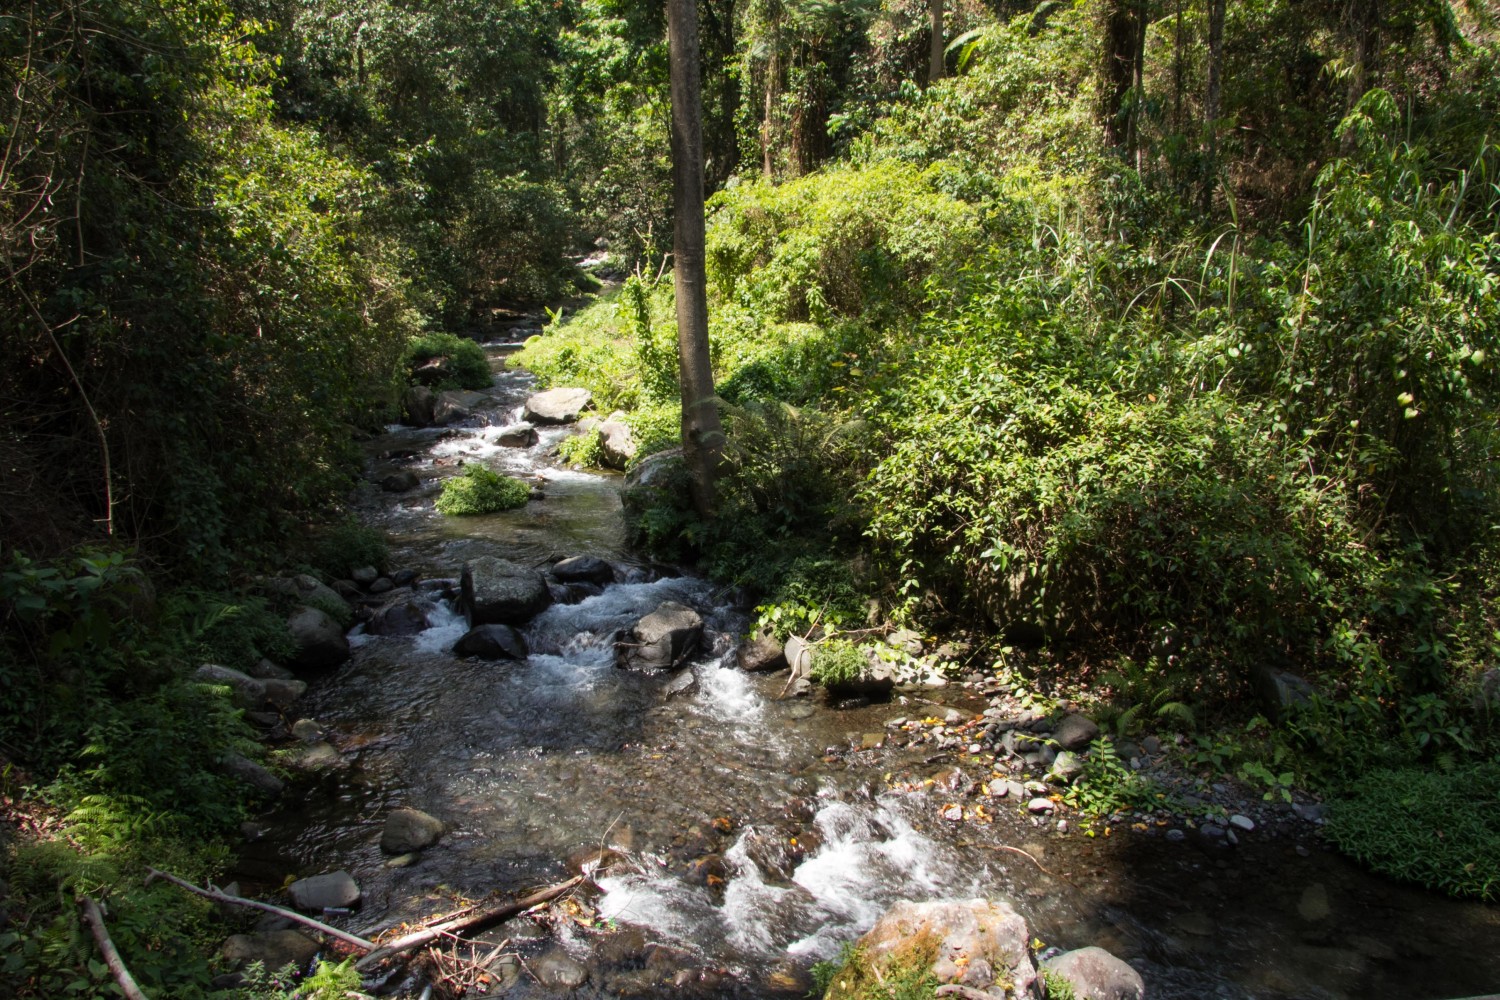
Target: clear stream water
(757,835)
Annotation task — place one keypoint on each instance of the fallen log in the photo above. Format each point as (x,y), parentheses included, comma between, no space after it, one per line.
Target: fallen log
(94,917)
(479,919)
(219,896)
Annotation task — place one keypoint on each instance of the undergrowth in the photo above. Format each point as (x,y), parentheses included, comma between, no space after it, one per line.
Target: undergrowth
(478,490)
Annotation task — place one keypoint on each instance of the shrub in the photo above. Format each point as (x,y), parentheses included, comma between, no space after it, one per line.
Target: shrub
(337,549)
(837,661)
(477,490)
(462,362)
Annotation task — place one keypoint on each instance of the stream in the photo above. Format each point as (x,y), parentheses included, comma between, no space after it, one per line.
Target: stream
(753,835)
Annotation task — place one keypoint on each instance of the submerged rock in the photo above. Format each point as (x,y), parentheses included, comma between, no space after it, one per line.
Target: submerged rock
(557,406)
(499,592)
(663,640)
(560,970)
(1095,974)
(401,482)
(408,830)
(522,436)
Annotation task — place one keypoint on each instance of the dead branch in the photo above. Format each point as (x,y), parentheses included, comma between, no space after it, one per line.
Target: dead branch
(94,917)
(219,896)
(482,917)
(963,992)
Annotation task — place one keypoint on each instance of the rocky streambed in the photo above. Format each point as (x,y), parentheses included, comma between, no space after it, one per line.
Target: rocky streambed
(733,833)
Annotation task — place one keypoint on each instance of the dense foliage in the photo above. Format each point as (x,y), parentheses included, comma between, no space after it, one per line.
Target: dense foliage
(478,490)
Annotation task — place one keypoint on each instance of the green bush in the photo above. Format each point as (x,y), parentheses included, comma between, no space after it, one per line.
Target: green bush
(837,661)
(1437,828)
(477,490)
(461,363)
(335,550)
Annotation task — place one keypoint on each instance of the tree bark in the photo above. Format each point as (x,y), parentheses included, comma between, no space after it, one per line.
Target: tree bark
(1212,99)
(935,61)
(702,435)
(1122,34)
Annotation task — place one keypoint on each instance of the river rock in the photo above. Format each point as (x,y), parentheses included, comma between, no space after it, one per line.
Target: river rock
(980,943)
(317,640)
(401,482)
(364,575)
(499,592)
(305,589)
(1066,767)
(307,731)
(248,772)
(324,892)
(265,670)
(1075,732)
(1095,974)
(763,653)
(616,444)
(400,617)
(517,436)
(798,654)
(272,949)
(319,757)
(583,569)
(408,830)
(557,406)
(1279,691)
(663,640)
(455,405)
(284,694)
(248,692)
(419,406)
(559,970)
(492,642)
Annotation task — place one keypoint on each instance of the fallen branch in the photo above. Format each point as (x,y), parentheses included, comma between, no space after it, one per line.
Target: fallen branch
(94,917)
(964,992)
(219,896)
(1028,857)
(481,918)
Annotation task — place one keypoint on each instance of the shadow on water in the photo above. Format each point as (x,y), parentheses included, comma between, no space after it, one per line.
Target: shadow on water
(759,833)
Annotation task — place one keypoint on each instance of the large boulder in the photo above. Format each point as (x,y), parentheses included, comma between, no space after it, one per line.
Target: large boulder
(975,943)
(499,592)
(317,640)
(324,892)
(1095,974)
(408,830)
(400,617)
(762,653)
(557,406)
(272,949)
(401,481)
(616,444)
(492,642)
(663,640)
(583,569)
(419,406)
(521,436)
(1279,692)
(454,405)
(248,691)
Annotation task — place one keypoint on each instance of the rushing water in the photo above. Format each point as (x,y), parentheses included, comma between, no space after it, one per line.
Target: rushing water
(755,835)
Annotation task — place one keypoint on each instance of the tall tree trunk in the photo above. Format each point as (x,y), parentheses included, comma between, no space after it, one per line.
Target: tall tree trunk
(1138,85)
(1363,19)
(935,52)
(1121,53)
(1213,99)
(702,435)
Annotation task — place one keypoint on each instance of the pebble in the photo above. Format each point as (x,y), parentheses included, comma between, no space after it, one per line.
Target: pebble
(953,814)
(1243,822)
(1062,826)
(1041,805)
(975,748)
(1176,836)
(953,717)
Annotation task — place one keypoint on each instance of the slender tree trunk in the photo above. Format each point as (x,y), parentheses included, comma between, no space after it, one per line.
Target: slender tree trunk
(1121,38)
(1138,85)
(1363,17)
(935,60)
(1212,100)
(702,436)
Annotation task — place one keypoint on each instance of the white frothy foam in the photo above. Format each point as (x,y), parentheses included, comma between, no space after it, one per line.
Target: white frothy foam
(727,694)
(446,627)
